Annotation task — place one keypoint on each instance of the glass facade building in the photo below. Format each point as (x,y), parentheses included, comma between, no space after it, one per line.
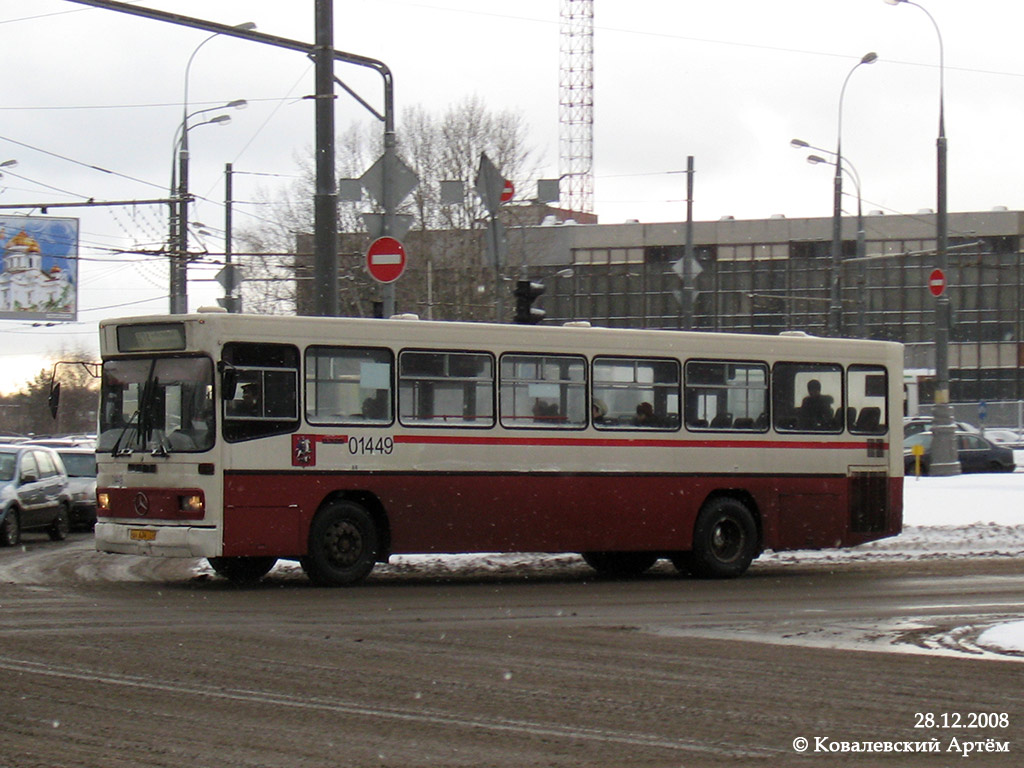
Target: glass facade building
(772,275)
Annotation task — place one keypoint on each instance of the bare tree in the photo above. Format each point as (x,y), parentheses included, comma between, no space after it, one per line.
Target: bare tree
(28,412)
(438,148)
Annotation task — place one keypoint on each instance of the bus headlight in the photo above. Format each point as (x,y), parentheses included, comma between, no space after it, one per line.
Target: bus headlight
(193,503)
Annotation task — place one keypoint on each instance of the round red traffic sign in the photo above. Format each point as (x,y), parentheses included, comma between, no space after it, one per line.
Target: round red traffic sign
(385,259)
(937,282)
(507,191)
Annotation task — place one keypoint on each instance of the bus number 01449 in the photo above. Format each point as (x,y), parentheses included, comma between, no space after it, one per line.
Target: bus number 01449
(358,446)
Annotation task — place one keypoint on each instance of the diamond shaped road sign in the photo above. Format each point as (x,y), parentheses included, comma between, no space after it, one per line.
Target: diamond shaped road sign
(489,184)
(405,181)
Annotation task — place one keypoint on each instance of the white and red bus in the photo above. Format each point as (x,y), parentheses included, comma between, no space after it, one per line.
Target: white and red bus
(339,442)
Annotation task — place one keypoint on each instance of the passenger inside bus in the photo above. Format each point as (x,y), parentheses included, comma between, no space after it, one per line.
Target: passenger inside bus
(250,405)
(644,415)
(375,407)
(816,408)
(545,412)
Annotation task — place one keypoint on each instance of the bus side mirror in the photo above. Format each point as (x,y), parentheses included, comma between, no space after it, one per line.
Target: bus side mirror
(53,399)
(230,383)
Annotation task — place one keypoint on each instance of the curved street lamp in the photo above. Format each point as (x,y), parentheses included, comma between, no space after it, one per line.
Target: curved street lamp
(179,217)
(851,171)
(8,164)
(945,460)
(835,309)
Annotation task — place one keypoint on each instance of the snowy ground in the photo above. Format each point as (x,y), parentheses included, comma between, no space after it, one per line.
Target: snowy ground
(967,516)
(944,517)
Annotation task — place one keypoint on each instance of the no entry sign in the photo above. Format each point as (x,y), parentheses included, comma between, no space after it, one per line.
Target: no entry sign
(507,191)
(385,259)
(937,282)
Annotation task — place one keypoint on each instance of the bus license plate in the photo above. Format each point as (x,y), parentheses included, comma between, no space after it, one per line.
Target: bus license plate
(141,534)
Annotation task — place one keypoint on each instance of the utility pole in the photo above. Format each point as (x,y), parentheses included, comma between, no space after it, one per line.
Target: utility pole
(326,230)
(689,291)
(179,263)
(229,277)
(325,201)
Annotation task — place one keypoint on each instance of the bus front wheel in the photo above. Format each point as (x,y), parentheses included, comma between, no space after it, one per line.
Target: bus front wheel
(343,544)
(242,570)
(724,540)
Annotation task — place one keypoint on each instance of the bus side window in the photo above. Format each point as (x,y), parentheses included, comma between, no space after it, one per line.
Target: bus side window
(348,385)
(266,391)
(808,397)
(630,393)
(726,396)
(545,391)
(454,389)
(867,392)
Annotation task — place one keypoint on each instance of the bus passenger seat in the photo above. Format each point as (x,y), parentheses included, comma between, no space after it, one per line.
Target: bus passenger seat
(869,419)
(721,421)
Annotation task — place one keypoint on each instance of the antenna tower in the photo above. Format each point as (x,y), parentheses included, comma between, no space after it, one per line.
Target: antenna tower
(576,105)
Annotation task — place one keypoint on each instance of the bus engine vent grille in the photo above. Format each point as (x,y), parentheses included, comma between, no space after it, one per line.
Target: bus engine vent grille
(869,502)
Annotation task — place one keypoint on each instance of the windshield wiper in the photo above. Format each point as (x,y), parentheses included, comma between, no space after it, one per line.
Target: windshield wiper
(162,449)
(127,450)
(141,411)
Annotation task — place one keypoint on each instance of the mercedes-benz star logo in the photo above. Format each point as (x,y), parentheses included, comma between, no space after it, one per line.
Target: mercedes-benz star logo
(141,504)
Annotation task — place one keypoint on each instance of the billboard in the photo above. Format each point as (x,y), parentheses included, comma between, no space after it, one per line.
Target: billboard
(38,268)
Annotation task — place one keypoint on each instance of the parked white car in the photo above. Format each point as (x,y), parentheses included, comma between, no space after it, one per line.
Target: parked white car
(80,464)
(33,493)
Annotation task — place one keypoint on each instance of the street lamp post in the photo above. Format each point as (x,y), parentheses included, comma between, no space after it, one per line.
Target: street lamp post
(179,216)
(944,455)
(849,169)
(180,195)
(835,308)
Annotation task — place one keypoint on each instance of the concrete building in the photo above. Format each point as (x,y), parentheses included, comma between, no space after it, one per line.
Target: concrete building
(749,276)
(770,275)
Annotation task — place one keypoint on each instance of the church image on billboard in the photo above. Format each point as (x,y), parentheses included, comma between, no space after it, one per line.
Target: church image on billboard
(38,268)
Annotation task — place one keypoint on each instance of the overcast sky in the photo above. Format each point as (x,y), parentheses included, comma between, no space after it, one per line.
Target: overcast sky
(728,82)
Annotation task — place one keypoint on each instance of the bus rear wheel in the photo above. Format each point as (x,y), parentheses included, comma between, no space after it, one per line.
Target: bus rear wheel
(242,570)
(343,544)
(724,540)
(620,565)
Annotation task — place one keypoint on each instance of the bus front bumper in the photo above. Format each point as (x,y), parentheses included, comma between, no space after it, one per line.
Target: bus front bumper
(157,540)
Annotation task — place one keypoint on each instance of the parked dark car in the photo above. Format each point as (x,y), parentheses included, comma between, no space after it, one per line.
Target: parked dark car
(976,454)
(33,493)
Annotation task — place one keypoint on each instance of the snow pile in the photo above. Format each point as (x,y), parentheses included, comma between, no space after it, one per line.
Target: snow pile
(965,500)
(1004,637)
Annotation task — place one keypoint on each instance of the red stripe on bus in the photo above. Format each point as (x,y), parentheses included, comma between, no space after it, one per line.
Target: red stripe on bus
(624,442)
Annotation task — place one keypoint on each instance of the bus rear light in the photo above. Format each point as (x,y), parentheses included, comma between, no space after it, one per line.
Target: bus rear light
(102,502)
(192,503)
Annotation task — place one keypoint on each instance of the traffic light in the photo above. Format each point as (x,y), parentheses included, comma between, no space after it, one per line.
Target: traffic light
(526,292)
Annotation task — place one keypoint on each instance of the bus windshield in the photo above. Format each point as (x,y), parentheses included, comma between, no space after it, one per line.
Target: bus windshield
(162,404)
